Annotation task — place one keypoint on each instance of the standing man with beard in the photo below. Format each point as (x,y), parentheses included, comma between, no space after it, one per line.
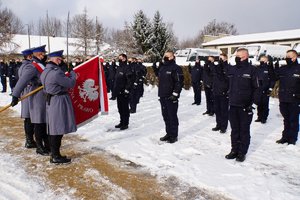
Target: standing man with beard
(37,102)
(121,91)
(243,84)
(289,97)
(60,113)
(170,78)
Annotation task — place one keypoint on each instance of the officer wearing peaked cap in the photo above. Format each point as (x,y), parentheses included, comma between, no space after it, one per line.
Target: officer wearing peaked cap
(60,113)
(37,102)
(28,126)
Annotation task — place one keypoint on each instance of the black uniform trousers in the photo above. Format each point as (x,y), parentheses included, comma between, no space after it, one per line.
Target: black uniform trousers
(221,108)
(4,83)
(263,108)
(55,143)
(197,93)
(209,99)
(240,121)
(290,113)
(169,112)
(123,108)
(134,99)
(12,82)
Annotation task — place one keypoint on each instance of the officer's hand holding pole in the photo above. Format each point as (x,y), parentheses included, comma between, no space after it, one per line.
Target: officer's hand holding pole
(173,97)
(14,101)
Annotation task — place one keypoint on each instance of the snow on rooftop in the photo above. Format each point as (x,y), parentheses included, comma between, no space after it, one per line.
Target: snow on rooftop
(256,37)
(21,42)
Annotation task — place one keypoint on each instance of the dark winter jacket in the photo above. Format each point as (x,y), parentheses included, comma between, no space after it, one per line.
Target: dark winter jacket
(196,73)
(123,79)
(207,74)
(220,79)
(170,78)
(3,69)
(289,82)
(243,84)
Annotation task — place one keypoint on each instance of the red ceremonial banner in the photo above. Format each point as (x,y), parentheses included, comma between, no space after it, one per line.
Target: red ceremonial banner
(86,93)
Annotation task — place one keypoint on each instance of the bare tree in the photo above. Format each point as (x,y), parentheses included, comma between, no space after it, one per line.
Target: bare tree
(82,28)
(52,27)
(99,34)
(10,24)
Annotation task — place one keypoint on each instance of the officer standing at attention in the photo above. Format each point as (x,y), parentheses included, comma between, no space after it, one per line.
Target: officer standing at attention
(3,74)
(28,126)
(264,72)
(122,87)
(37,102)
(60,113)
(289,97)
(220,94)
(243,84)
(196,74)
(170,78)
(207,81)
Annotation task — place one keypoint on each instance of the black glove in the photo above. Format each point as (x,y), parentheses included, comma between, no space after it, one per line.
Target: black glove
(173,98)
(135,86)
(248,109)
(14,101)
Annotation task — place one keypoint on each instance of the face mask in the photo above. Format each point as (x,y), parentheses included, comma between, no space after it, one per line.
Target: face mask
(237,60)
(120,61)
(166,59)
(262,62)
(289,61)
(44,59)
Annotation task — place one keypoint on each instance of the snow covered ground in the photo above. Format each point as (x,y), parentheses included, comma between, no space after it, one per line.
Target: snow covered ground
(271,171)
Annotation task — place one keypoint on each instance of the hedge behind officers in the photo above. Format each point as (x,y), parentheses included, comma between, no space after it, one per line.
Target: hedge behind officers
(169,88)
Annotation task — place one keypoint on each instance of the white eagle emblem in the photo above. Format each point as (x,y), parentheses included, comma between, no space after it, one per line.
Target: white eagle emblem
(89,90)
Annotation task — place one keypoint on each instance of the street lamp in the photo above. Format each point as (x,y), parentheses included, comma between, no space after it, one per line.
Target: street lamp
(28,34)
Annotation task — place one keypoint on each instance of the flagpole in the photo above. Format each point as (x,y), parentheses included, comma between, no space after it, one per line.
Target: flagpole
(23,97)
(68,40)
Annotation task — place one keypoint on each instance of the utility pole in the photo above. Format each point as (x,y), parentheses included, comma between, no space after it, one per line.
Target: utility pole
(28,33)
(48,33)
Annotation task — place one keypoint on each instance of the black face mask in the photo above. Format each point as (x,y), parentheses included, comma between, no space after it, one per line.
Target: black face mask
(237,60)
(262,63)
(288,61)
(120,61)
(44,59)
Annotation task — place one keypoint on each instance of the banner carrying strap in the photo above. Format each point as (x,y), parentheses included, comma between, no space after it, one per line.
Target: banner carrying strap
(40,67)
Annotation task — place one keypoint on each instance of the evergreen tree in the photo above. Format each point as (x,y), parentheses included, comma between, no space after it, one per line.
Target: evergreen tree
(160,38)
(141,28)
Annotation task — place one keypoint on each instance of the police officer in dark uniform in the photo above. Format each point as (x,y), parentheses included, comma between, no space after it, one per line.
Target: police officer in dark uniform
(243,85)
(141,77)
(196,74)
(264,71)
(133,98)
(112,74)
(220,94)
(37,102)
(121,92)
(169,88)
(289,97)
(3,74)
(12,72)
(106,74)
(207,81)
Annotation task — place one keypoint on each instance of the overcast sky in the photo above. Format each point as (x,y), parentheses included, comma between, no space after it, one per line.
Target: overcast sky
(188,16)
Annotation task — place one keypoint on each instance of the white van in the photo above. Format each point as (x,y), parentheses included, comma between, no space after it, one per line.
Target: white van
(189,55)
(257,50)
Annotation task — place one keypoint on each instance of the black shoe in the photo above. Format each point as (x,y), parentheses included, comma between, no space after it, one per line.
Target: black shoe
(282,141)
(211,114)
(132,111)
(29,144)
(194,103)
(172,140)
(215,129)
(60,160)
(263,121)
(231,155)
(165,138)
(124,127)
(258,120)
(292,142)
(223,131)
(240,158)
(42,151)
(118,126)
(205,113)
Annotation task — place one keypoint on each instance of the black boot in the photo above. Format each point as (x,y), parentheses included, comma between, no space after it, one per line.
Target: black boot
(172,140)
(165,138)
(124,127)
(118,125)
(231,155)
(55,143)
(215,129)
(240,157)
(40,130)
(29,132)
(282,141)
